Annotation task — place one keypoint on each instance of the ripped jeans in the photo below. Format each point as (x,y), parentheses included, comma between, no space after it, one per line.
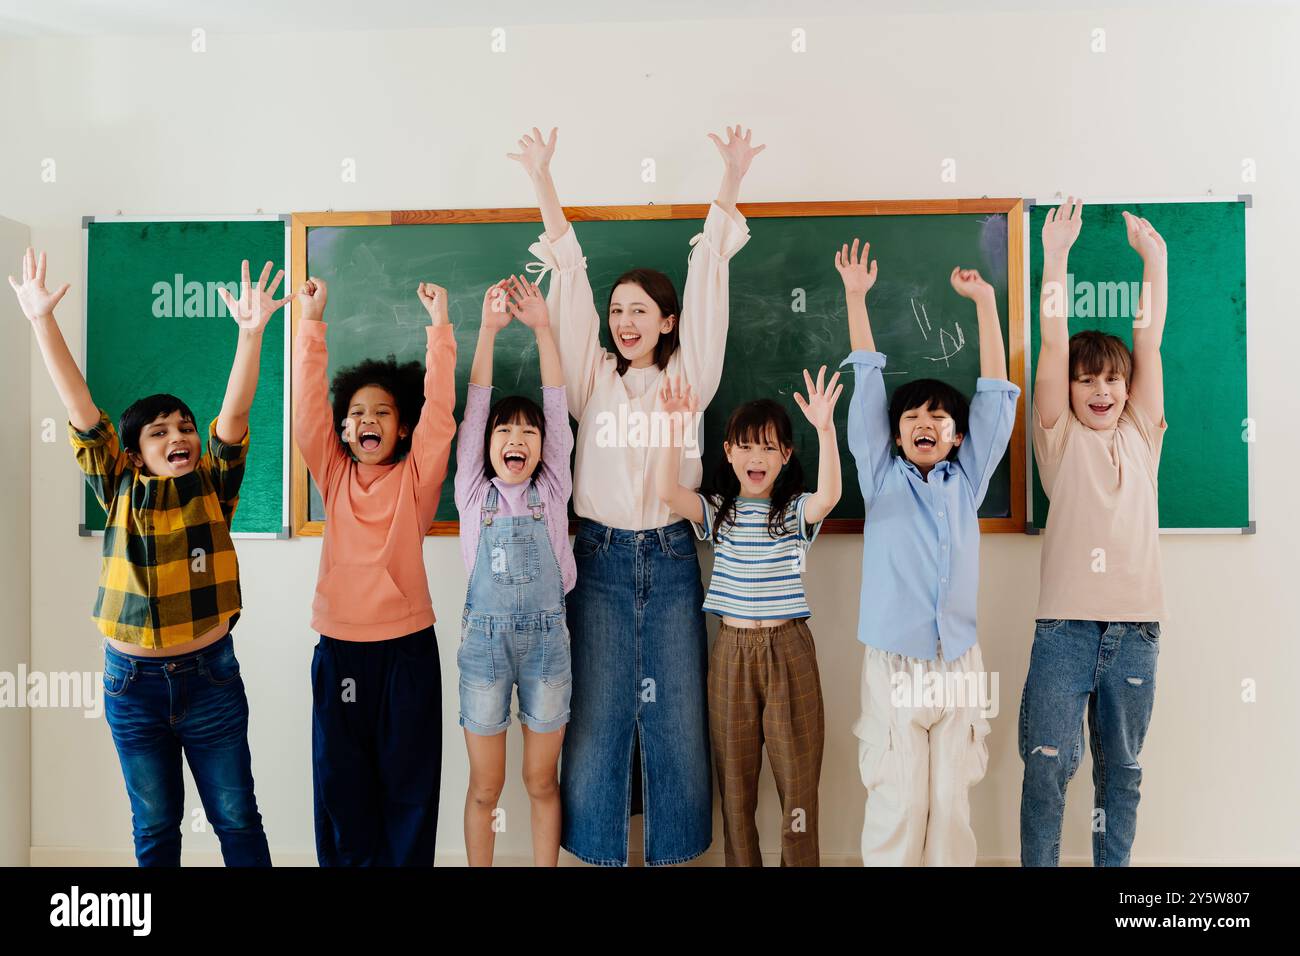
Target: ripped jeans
(1108,669)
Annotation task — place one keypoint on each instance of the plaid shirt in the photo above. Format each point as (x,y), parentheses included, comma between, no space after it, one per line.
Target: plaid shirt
(169,573)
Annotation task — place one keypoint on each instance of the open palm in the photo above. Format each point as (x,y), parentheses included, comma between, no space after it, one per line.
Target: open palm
(738,151)
(1062,225)
(858,270)
(678,396)
(35,300)
(819,406)
(256,303)
(534,151)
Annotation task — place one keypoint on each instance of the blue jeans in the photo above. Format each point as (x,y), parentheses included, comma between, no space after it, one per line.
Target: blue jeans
(640,663)
(158,708)
(1107,668)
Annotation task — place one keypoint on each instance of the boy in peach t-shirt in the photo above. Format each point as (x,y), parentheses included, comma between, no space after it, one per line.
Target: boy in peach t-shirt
(1098,425)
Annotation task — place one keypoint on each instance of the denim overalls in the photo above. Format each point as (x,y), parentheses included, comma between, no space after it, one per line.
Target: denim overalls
(513,629)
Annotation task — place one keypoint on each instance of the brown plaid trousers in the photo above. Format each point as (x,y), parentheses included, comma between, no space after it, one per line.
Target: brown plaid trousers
(764,688)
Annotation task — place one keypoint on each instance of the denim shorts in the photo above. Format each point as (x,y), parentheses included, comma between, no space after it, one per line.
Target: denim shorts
(498,652)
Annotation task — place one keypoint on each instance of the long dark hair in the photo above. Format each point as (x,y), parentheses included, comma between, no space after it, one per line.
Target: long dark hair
(751,423)
(660,288)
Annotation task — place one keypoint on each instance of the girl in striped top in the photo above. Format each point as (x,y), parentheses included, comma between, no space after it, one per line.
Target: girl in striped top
(763,681)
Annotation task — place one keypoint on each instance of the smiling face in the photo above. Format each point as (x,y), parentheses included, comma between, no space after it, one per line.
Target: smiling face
(757,463)
(635,323)
(372,428)
(515,450)
(1097,400)
(927,436)
(169,446)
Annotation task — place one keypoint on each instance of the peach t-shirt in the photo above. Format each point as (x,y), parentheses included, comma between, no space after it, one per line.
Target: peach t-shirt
(1101,548)
(372,585)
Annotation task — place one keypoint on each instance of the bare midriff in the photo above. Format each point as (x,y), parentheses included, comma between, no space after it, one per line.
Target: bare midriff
(744,623)
(175,650)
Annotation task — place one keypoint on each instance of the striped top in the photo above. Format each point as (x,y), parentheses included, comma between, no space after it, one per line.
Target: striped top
(757,577)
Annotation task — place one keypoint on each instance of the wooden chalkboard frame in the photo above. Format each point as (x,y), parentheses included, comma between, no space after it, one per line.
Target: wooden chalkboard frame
(300,222)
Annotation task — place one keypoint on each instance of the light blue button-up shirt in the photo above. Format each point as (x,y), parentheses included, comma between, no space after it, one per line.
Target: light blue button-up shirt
(921,543)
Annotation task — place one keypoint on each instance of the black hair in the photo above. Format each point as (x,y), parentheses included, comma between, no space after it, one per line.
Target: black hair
(660,288)
(144,412)
(402,380)
(751,423)
(508,411)
(940,396)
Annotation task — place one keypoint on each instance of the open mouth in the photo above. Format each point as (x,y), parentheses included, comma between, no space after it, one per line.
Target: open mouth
(756,477)
(178,456)
(515,461)
(629,340)
(924,442)
(369,441)
(1100,408)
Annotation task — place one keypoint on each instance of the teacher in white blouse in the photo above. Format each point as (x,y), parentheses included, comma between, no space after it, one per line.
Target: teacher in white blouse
(638,640)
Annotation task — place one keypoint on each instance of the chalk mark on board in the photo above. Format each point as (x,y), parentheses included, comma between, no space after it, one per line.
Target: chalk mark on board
(925,329)
(958,343)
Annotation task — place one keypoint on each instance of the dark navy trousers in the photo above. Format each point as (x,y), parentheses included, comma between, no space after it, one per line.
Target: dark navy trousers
(376,750)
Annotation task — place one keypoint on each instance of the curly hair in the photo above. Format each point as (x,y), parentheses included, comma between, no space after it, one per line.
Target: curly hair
(402,380)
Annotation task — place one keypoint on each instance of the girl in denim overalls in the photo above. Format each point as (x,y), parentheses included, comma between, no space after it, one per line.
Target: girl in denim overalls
(512,489)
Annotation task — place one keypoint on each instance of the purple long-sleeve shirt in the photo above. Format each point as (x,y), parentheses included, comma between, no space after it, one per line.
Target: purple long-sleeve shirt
(553,479)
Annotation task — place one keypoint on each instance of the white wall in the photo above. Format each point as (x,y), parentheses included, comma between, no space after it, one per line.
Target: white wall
(870,111)
(16,427)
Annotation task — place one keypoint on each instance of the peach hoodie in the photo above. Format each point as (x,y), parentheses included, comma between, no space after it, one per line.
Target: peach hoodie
(372,584)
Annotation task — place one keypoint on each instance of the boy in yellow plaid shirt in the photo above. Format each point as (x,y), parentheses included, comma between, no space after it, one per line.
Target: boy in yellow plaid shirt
(169,585)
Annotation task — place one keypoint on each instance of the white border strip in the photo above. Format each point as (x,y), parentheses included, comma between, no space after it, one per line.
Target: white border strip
(287,312)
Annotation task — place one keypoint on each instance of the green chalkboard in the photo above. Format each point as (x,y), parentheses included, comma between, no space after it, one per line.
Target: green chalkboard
(1205,460)
(787,305)
(155,323)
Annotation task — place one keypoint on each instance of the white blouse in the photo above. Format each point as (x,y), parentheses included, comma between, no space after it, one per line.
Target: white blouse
(621,426)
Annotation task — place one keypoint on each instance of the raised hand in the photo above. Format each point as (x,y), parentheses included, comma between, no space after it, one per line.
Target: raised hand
(969,284)
(434,299)
(1144,239)
(535,152)
(1062,226)
(852,266)
(737,152)
(819,406)
(36,301)
(256,303)
(496,306)
(311,299)
(677,395)
(527,304)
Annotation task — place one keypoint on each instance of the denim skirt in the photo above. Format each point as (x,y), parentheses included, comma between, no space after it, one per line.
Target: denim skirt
(640,664)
